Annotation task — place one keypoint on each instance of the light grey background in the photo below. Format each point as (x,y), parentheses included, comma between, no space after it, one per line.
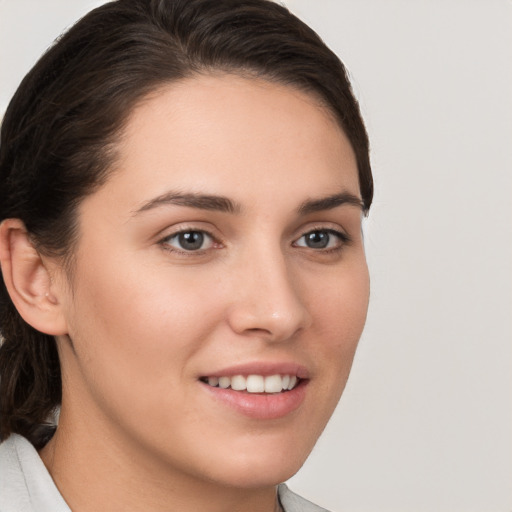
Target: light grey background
(426,420)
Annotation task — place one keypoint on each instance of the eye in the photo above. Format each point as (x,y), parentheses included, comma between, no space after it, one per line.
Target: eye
(322,239)
(190,240)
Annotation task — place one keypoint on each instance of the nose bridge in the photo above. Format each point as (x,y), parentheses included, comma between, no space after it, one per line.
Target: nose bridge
(268,301)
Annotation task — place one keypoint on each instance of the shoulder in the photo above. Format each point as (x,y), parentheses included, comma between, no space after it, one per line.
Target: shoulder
(292,502)
(13,490)
(25,484)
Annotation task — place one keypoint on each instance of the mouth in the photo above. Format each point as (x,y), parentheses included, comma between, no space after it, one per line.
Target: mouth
(259,390)
(257,384)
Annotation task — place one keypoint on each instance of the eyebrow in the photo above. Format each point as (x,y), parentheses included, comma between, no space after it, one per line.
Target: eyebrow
(192,200)
(330,202)
(226,205)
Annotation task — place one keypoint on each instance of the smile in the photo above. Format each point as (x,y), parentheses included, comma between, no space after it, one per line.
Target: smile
(254,383)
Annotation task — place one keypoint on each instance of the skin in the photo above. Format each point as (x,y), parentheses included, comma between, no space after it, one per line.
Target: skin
(142,319)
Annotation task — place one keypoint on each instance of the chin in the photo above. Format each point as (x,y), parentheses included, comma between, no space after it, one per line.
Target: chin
(270,474)
(262,466)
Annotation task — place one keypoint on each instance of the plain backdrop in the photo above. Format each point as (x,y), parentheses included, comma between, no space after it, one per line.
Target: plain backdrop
(425,423)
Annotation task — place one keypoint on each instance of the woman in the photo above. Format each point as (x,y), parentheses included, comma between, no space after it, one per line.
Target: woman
(182,187)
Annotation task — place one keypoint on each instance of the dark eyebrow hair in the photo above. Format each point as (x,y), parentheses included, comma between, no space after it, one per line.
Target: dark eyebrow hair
(223,204)
(330,202)
(192,200)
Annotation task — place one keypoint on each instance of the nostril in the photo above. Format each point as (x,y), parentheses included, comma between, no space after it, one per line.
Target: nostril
(258,331)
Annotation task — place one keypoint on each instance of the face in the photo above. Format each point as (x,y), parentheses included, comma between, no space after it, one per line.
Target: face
(222,262)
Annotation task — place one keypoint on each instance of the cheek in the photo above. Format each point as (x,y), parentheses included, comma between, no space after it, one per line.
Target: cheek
(340,314)
(341,304)
(144,319)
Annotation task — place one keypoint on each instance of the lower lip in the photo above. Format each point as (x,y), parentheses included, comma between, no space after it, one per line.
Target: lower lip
(263,406)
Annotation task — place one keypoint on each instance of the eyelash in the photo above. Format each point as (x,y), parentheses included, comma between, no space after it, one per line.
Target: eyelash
(164,242)
(343,238)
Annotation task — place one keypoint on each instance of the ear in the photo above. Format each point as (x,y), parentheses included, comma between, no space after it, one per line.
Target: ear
(28,280)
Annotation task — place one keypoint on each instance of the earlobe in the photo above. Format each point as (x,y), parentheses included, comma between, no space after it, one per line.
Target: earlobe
(28,280)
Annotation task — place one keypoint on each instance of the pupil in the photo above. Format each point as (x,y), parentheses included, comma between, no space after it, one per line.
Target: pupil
(317,240)
(191,240)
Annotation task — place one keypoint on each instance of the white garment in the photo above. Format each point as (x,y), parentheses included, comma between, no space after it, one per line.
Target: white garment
(26,485)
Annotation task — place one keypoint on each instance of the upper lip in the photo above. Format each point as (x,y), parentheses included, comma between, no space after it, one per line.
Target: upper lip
(262,368)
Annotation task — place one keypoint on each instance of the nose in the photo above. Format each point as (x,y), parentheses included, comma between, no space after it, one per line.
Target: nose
(267,301)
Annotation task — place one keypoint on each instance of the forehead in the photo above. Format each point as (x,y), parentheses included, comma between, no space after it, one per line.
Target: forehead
(234,136)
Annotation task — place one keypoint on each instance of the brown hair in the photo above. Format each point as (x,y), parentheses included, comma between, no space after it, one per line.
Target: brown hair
(59,132)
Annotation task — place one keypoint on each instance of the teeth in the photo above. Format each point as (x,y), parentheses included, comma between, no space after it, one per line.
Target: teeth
(255,383)
(238,383)
(224,382)
(273,384)
(293,381)
(213,381)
